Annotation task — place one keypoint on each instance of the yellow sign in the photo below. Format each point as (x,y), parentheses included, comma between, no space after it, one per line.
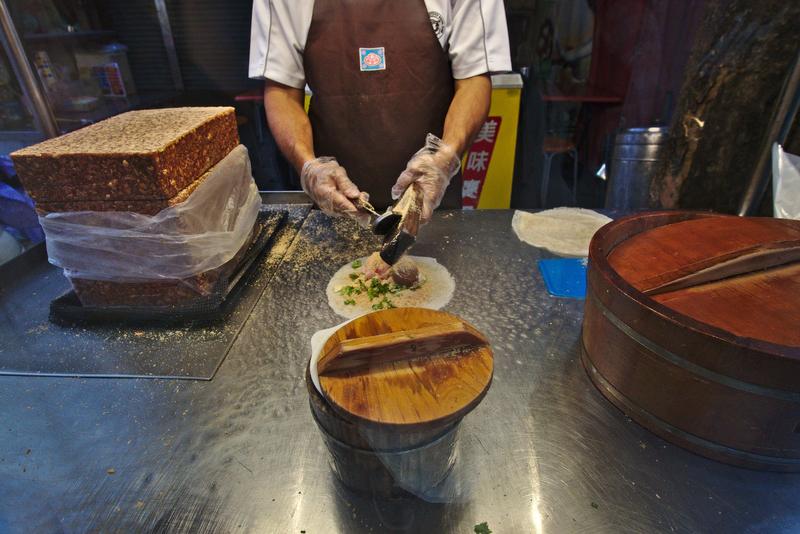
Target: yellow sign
(496,190)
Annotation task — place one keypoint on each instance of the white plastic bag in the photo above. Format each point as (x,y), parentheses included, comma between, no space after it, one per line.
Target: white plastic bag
(200,234)
(785,183)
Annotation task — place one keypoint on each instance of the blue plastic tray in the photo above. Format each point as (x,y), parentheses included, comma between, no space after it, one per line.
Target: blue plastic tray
(565,277)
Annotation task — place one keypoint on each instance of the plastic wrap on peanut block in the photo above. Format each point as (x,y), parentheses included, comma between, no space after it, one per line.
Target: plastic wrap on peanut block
(125,258)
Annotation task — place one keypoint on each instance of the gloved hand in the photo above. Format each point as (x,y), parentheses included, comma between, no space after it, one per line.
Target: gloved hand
(326,182)
(431,168)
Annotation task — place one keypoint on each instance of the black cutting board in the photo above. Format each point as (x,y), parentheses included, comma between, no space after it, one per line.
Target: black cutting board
(30,344)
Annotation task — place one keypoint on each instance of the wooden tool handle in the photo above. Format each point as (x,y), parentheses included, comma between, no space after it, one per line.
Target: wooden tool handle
(396,346)
(409,207)
(413,211)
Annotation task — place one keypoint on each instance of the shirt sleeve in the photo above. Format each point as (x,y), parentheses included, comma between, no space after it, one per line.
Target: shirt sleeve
(479,38)
(278,33)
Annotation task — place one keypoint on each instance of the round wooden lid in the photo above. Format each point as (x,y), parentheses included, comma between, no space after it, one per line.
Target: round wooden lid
(740,275)
(405,366)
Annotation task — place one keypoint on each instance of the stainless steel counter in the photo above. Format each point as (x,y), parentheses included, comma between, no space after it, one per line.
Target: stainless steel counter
(544,452)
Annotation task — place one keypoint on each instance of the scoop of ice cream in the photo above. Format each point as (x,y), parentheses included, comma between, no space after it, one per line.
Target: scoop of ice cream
(405,272)
(376,267)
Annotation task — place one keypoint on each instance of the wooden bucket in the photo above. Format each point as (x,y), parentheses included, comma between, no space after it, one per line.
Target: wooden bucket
(692,328)
(372,453)
(383,462)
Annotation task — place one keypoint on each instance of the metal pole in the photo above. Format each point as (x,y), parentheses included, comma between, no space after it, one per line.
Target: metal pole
(42,114)
(169,44)
(779,126)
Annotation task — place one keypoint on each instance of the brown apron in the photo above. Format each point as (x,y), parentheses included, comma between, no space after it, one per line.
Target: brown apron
(374,121)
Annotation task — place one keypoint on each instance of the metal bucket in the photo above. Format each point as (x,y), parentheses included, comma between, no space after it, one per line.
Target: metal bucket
(381,461)
(636,156)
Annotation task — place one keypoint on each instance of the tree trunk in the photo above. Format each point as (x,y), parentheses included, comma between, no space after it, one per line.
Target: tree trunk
(741,56)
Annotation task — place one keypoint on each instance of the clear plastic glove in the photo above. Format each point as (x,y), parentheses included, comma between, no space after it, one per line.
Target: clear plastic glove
(326,182)
(432,168)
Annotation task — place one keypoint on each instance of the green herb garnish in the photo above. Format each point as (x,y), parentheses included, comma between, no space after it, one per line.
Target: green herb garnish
(376,290)
(483,528)
(347,291)
(383,304)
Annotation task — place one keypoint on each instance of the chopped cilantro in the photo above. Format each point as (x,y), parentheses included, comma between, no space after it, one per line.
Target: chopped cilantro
(383,304)
(376,290)
(483,528)
(595,505)
(347,291)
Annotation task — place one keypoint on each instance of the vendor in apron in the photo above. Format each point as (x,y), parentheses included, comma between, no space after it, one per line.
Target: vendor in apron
(400,88)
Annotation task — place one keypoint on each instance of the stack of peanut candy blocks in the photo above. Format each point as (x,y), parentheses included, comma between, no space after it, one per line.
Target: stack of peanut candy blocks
(142,162)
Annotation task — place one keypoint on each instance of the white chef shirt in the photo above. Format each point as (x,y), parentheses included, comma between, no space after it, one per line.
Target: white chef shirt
(473,32)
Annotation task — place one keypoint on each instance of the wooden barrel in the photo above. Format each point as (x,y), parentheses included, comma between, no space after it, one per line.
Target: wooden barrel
(692,328)
(383,462)
(390,422)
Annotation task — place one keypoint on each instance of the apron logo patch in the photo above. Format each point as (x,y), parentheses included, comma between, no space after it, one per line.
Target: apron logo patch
(372,59)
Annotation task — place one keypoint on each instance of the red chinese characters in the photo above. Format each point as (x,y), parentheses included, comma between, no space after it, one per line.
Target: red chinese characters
(477,162)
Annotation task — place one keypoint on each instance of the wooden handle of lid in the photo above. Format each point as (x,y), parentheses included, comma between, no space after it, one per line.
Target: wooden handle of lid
(737,263)
(362,352)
